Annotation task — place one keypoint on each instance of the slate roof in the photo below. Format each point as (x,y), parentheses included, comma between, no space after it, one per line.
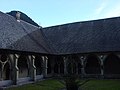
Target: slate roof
(21,36)
(79,37)
(84,37)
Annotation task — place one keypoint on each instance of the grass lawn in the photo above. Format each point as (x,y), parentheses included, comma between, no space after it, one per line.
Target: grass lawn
(53,84)
(50,84)
(102,85)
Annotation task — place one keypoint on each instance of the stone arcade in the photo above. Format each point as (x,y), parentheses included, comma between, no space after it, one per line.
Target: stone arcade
(29,53)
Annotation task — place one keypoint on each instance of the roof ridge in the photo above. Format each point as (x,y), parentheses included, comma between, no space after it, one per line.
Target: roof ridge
(29,23)
(48,42)
(34,39)
(82,22)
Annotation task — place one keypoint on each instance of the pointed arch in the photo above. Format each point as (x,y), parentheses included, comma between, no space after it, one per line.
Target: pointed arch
(74,68)
(4,57)
(71,68)
(38,64)
(59,65)
(7,72)
(92,65)
(79,68)
(23,66)
(112,64)
(72,64)
(56,67)
(62,68)
(78,63)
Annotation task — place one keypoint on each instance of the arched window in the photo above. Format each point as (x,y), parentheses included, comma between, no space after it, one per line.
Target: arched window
(79,68)
(112,64)
(4,57)
(23,66)
(56,68)
(92,65)
(5,69)
(38,64)
(7,72)
(71,68)
(61,68)
(74,67)
(60,64)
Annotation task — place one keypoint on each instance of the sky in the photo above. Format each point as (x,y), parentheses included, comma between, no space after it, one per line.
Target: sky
(55,12)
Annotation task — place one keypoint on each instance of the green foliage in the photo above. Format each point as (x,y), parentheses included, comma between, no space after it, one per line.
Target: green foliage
(71,83)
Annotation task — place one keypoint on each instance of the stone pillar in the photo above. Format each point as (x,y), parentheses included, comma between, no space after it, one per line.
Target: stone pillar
(65,65)
(102,68)
(102,58)
(83,58)
(32,68)
(45,59)
(15,70)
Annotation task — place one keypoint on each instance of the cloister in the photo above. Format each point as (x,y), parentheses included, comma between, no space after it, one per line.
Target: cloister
(21,68)
(89,49)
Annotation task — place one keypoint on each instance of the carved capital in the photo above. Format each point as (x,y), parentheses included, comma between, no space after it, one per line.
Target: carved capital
(102,57)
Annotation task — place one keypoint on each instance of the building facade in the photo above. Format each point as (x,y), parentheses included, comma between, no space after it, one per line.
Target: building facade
(28,53)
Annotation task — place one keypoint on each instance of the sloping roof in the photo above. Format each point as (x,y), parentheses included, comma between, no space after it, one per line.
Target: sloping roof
(84,37)
(21,36)
(80,37)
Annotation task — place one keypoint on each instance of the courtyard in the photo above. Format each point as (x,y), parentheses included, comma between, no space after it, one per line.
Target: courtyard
(55,84)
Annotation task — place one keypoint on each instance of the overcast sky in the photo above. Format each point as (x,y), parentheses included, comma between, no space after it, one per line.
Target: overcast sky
(54,12)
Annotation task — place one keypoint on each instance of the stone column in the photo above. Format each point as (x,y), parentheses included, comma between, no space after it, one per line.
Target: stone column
(102,58)
(102,68)
(32,68)
(15,72)
(83,58)
(45,59)
(65,65)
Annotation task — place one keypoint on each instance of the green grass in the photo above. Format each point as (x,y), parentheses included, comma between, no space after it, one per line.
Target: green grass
(102,85)
(53,84)
(50,84)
